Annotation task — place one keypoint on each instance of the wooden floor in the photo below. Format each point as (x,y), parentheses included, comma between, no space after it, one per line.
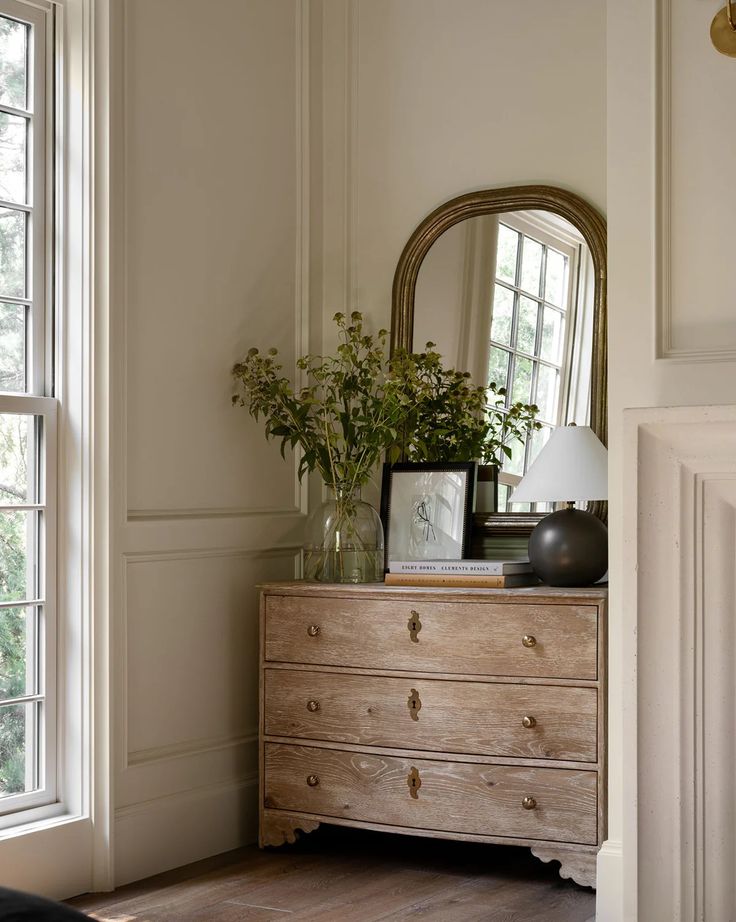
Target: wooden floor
(343,875)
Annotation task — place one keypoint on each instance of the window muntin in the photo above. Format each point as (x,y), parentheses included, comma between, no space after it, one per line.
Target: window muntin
(27,420)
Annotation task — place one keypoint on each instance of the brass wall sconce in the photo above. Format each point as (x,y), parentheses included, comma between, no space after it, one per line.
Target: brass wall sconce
(723,30)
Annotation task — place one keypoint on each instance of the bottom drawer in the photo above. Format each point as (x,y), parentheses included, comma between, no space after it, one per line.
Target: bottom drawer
(558,805)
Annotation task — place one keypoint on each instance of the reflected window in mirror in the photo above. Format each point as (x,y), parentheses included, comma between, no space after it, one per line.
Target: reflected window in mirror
(510,298)
(538,295)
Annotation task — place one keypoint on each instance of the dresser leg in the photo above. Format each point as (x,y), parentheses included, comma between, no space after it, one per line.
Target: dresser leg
(575,864)
(277,829)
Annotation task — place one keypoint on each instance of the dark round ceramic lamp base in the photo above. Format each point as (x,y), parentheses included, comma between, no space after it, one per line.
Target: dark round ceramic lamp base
(569,548)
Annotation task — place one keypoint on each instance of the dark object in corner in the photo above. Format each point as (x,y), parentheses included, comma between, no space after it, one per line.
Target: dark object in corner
(569,548)
(24,907)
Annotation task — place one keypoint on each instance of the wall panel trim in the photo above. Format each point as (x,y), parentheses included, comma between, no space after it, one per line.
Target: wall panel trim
(187,797)
(352,149)
(208,820)
(128,758)
(163,787)
(167,515)
(665,350)
(191,748)
(301,318)
(686,513)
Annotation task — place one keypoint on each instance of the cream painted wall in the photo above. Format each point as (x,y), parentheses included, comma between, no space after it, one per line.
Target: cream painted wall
(437,98)
(426,99)
(209,195)
(412,101)
(672,344)
(211,173)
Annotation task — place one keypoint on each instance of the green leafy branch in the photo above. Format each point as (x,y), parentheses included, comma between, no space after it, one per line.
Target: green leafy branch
(346,415)
(447,418)
(356,406)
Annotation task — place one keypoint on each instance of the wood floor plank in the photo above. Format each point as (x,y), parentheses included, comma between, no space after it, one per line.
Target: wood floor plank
(400,887)
(291,893)
(234,911)
(344,875)
(504,902)
(230,882)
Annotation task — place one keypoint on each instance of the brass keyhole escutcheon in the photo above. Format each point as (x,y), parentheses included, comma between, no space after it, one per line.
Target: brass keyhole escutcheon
(415,626)
(529,803)
(528,640)
(313,705)
(312,781)
(414,782)
(414,704)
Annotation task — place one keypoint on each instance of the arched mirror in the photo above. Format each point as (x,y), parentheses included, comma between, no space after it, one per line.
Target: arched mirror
(510,285)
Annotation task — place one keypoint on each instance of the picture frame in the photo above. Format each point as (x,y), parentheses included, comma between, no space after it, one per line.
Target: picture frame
(427,510)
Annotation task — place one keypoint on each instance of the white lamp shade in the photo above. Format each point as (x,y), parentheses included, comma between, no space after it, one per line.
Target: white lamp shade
(573,465)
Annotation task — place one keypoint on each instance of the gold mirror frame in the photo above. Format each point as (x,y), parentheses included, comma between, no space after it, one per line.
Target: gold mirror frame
(591,225)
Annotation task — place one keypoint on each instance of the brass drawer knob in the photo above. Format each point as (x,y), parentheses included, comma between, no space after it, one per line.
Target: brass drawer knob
(312,781)
(313,630)
(314,706)
(528,721)
(528,803)
(528,640)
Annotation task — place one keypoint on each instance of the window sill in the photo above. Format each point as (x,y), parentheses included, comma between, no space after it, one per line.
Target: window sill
(36,819)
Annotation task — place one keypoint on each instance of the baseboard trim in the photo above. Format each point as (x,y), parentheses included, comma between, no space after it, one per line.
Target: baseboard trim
(609,891)
(168,832)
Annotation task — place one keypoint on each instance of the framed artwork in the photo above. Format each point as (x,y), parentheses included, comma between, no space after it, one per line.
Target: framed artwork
(427,509)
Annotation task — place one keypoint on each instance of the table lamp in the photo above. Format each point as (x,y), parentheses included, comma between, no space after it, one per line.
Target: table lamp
(568,547)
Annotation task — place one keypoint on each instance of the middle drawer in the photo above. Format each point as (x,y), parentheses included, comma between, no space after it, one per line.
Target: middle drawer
(476,718)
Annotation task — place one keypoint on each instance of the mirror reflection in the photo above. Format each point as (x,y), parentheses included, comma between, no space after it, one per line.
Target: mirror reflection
(510,297)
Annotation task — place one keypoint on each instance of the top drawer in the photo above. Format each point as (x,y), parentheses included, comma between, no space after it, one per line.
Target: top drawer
(463,638)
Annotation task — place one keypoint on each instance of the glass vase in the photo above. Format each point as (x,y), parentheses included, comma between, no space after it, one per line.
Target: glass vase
(344,541)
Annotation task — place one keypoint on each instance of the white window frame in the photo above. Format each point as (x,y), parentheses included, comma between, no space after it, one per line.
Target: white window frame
(40,157)
(71,852)
(15,808)
(37,402)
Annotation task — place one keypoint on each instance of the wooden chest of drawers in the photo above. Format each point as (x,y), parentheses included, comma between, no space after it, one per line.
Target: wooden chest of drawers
(473,714)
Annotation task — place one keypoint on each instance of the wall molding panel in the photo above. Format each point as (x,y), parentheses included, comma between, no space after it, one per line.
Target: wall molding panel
(352,153)
(167,515)
(672,351)
(665,11)
(301,277)
(184,568)
(663,171)
(142,768)
(207,819)
(191,748)
(685,499)
(339,86)
(190,796)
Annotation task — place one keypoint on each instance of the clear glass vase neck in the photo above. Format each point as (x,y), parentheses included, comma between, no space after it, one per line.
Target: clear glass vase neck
(342,492)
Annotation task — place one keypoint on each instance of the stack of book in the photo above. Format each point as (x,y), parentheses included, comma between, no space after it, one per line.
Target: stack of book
(484,574)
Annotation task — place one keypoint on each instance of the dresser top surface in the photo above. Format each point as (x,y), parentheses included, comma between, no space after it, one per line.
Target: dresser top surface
(538,594)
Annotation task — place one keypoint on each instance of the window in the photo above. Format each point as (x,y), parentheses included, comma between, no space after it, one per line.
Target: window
(27,415)
(531,331)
